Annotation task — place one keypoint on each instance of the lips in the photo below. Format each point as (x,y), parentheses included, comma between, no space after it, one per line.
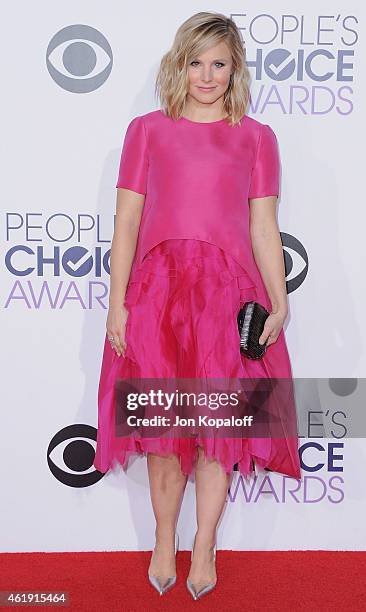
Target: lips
(206,88)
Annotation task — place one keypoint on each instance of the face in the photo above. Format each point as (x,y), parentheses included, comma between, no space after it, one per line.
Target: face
(209,74)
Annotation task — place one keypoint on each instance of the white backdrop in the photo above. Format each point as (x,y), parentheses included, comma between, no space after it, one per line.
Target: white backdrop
(73,78)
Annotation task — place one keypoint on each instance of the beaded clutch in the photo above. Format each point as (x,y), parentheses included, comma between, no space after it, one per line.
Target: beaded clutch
(251,319)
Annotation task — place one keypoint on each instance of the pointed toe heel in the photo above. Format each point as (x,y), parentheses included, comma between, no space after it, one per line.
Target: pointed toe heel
(197,594)
(155,582)
(206,589)
(162,588)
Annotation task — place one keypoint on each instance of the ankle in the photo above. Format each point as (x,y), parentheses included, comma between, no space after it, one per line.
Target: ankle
(204,540)
(165,535)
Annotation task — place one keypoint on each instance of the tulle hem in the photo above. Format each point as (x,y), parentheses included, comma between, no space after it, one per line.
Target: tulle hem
(232,452)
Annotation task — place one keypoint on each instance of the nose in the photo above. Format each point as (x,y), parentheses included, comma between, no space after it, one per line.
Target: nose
(206,75)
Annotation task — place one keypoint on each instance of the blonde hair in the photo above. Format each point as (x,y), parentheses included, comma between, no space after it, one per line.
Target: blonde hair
(195,35)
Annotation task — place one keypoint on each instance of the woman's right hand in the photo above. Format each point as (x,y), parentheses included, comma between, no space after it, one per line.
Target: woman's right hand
(116,328)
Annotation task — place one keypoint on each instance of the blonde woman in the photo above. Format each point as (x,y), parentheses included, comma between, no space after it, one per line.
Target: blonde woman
(195,238)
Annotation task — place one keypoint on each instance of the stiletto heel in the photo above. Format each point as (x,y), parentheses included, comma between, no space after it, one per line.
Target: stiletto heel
(207,588)
(170,582)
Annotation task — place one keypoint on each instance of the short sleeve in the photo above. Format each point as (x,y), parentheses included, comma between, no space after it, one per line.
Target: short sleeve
(266,172)
(133,165)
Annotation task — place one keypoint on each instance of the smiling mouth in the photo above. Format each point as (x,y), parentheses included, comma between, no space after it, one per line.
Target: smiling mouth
(206,88)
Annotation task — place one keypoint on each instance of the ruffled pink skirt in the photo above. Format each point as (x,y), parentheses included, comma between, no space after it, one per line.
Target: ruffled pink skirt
(183,301)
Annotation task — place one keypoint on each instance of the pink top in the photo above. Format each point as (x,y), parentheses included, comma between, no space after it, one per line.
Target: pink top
(197,178)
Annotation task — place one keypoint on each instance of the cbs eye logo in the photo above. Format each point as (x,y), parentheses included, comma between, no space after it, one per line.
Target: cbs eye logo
(70,456)
(79,58)
(296,261)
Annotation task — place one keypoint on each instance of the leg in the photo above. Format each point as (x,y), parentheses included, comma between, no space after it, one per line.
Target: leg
(167,485)
(212,484)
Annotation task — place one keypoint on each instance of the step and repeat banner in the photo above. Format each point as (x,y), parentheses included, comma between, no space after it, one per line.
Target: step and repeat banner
(73,78)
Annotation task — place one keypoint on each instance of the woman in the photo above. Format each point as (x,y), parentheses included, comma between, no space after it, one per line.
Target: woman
(195,238)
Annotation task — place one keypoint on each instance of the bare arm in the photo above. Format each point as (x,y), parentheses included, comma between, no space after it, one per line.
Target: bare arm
(129,208)
(268,254)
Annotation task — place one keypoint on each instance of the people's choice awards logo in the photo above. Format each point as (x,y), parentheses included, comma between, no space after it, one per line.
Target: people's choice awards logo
(57,260)
(330,412)
(300,64)
(79,58)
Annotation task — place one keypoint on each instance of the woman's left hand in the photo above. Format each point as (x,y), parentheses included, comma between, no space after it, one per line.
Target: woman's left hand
(272,328)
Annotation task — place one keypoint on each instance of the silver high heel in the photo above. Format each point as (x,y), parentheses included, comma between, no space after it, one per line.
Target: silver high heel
(207,588)
(171,581)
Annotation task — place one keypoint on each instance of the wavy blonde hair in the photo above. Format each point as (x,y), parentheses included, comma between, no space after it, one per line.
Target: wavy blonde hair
(194,36)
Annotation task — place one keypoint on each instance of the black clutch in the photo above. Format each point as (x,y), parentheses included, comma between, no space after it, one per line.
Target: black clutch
(251,319)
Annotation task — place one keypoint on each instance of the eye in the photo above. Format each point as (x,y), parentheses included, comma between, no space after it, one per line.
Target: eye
(221,64)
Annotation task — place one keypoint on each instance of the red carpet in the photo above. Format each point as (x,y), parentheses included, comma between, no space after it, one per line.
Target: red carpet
(247,581)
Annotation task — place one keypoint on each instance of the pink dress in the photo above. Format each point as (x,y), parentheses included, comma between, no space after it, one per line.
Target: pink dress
(193,269)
